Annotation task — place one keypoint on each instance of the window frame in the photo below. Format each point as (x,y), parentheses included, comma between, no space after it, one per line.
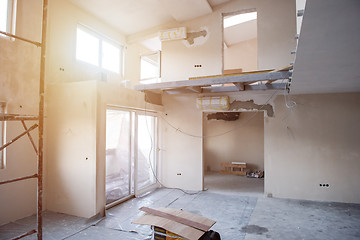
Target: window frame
(102,38)
(157,78)
(10,19)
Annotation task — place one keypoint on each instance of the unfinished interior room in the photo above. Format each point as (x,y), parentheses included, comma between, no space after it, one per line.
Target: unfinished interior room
(179,119)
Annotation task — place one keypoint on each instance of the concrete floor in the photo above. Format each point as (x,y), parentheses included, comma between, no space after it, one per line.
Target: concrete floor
(239,214)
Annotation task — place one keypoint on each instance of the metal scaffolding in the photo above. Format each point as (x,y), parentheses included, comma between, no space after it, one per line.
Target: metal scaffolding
(40,125)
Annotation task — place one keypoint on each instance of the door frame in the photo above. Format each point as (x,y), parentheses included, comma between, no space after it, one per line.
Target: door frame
(134,191)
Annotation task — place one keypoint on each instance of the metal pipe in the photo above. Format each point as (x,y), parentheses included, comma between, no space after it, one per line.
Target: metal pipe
(41,119)
(30,138)
(19,136)
(18,179)
(20,38)
(25,234)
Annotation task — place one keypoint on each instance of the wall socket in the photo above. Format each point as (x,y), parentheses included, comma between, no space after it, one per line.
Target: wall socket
(197,65)
(179,174)
(326,185)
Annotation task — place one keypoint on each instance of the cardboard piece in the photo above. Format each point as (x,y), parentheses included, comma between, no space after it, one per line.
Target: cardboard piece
(172,225)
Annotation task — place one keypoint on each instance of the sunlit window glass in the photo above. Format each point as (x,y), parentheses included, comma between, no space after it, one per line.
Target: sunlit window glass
(110,57)
(87,47)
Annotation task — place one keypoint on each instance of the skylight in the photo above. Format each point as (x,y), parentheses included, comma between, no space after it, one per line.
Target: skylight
(240,18)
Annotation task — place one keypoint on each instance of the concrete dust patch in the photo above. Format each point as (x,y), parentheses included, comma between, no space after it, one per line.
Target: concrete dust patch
(254,229)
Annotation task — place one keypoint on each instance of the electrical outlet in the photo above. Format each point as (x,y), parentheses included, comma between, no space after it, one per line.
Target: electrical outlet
(179,174)
(197,65)
(324,185)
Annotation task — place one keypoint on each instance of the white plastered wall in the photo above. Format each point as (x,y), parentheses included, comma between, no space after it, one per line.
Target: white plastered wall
(244,142)
(77,96)
(276,29)
(19,88)
(242,55)
(182,154)
(317,142)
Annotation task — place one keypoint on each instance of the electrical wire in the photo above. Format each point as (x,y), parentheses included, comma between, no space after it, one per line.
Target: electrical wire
(152,148)
(192,135)
(223,133)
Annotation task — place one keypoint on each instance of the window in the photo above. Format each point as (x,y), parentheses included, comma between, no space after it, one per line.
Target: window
(150,68)
(7,16)
(98,50)
(2,137)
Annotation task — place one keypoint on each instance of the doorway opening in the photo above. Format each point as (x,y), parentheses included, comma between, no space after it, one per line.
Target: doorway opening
(240,45)
(131,153)
(244,143)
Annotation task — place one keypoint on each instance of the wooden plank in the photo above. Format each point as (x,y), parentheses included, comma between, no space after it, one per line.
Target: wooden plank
(18,179)
(25,235)
(18,137)
(21,38)
(215,80)
(30,138)
(17,117)
(232,71)
(175,218)
(172,226)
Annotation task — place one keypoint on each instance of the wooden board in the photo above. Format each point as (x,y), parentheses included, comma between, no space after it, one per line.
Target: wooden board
(234,168)
(174,226)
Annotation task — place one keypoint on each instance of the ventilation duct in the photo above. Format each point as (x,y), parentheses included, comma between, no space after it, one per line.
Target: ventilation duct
(213,103)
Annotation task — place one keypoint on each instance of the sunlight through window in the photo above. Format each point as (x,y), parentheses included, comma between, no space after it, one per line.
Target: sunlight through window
(240,18)
(110,57)
(87,47)
(3,15)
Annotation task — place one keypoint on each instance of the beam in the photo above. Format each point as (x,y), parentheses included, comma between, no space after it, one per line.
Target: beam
(30,138)
(195,89)
(21,38)
(25,235)
(39,216)
(215,80)
(19,179)
(274,86)
(18,137)
(240,86)
(16,117)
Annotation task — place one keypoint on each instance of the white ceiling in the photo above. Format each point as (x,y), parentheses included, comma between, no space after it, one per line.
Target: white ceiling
(132,16)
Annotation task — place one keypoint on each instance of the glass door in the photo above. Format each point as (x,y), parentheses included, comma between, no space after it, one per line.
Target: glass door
(118,154)
(146,150)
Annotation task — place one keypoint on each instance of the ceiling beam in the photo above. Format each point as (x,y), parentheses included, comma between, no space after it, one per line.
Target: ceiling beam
(215,80)
(240,86)
(195,89)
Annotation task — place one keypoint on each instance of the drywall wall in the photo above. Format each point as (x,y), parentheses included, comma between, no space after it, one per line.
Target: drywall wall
(314,143)
(276,30)
(19,88)
(245,143)
(71,148)
(322,37)
(62,64)
(242,55)
(75,123)
(182,154)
